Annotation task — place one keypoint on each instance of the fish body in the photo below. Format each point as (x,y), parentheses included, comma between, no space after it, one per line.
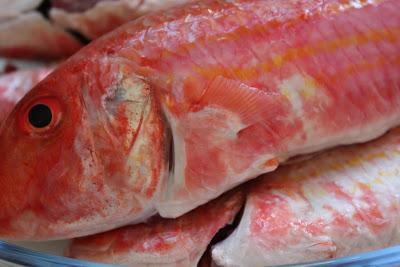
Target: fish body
(30,35)
(161,242)
(169,111)
(57,29)
(343,202)
(95,18)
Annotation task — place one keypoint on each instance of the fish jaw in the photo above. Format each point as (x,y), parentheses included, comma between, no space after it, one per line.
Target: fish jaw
(98,169)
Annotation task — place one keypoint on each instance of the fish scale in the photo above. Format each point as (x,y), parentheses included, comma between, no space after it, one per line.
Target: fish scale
(292,60)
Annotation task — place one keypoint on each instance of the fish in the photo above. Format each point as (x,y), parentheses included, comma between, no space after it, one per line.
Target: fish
(15,85)
(343,202)
(93,19)
(176,242)
(56,29)
(8,65)
(169,111)
(31,36)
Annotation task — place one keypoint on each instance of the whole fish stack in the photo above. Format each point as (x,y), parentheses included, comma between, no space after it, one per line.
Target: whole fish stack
(54,29)
(132,144)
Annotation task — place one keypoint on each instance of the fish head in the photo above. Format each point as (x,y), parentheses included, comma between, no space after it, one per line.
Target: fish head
(82,152)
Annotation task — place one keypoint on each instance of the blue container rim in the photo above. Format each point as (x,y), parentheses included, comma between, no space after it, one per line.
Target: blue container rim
(15,254)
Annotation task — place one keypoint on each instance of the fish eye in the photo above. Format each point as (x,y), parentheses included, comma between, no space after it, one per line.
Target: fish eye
(40,116)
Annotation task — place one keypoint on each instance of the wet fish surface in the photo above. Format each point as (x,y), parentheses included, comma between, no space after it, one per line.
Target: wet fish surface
(343,202)
(170,111)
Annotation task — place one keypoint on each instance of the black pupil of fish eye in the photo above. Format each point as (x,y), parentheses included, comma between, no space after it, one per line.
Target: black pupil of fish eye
(40,116)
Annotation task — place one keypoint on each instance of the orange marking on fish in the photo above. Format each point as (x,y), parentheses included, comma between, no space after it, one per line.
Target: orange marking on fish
(278,61)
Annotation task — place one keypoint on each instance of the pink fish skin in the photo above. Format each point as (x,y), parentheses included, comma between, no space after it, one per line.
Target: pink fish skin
(342,202)
(15,85)
(239,85)
(176,242)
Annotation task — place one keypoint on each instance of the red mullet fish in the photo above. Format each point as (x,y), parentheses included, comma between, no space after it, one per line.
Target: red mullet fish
(176,242)
(342,202)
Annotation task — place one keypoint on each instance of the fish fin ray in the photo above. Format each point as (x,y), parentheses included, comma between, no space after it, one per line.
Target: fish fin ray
(252,104)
